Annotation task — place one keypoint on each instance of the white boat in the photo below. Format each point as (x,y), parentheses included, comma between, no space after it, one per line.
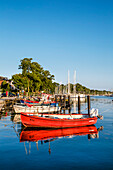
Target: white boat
(34,109)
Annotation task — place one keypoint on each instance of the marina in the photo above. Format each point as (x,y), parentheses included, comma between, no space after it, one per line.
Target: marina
(56,85)
(61,148)
(49,114)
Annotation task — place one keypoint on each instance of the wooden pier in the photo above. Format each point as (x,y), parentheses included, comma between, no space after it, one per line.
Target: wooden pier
(7,103)
(64,101)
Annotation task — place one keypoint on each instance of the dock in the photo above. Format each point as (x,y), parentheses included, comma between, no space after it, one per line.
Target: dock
(6,103)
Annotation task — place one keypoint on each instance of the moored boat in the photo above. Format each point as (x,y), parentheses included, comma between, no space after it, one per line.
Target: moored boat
(57,120)
(18,108)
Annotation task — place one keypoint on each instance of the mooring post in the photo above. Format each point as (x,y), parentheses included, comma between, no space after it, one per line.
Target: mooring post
(59,100)
(64,103)
(56,98)
(60,104)
(88,102)
(78,104)
(69,109)
(64,100)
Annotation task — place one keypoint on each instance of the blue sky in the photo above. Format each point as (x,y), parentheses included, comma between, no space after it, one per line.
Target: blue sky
(60,35)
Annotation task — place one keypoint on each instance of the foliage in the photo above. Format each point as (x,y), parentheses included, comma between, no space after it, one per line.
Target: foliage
(5,86)
(83,89)
(20,81)
(33,78)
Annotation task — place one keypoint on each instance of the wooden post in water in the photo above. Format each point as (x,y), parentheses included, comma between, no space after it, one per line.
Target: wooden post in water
(78,104)
(69,109)
(64,103)
(60,103)
(56,98)
(60,100)
(88,102)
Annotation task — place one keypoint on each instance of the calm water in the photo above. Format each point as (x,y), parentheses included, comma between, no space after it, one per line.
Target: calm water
(79,151)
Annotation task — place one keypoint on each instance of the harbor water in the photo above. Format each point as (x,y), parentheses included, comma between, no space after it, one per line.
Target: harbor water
(45,150)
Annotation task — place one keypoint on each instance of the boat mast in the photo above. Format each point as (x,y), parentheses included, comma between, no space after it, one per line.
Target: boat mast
(74,85)
(74,91)
(68,83)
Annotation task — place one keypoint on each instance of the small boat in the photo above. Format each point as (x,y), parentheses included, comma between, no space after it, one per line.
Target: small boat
(18,108)
(57,120)
(34,134)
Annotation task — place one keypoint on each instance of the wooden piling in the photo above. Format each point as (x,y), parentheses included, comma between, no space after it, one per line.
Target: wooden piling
(88,102)
(64,103)
(60,100)
(69,109)
(78,104)
(60,103)
(56,98)
(69,99)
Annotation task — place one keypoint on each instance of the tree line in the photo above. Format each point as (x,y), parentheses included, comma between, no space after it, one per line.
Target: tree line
(34,78)
(81,89)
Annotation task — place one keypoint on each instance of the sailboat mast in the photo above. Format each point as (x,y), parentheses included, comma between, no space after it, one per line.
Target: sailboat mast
(68,83)
(74,91)
(74,85)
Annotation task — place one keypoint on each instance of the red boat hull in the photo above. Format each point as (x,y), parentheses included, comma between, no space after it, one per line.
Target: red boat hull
(35,135)
(35,121)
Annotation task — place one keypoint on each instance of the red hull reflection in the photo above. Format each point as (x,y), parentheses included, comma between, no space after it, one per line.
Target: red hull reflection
(31,134)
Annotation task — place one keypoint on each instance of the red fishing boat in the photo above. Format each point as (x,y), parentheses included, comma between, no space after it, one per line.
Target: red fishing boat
(32,134)
(57,120)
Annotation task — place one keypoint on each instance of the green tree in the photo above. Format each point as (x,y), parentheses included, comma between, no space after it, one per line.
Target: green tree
(25,65)
(33,77)
(21,82)
(5,86)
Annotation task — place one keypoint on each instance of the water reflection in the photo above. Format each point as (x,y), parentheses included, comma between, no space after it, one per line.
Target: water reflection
(49,135)
(16,118)
(76,152)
